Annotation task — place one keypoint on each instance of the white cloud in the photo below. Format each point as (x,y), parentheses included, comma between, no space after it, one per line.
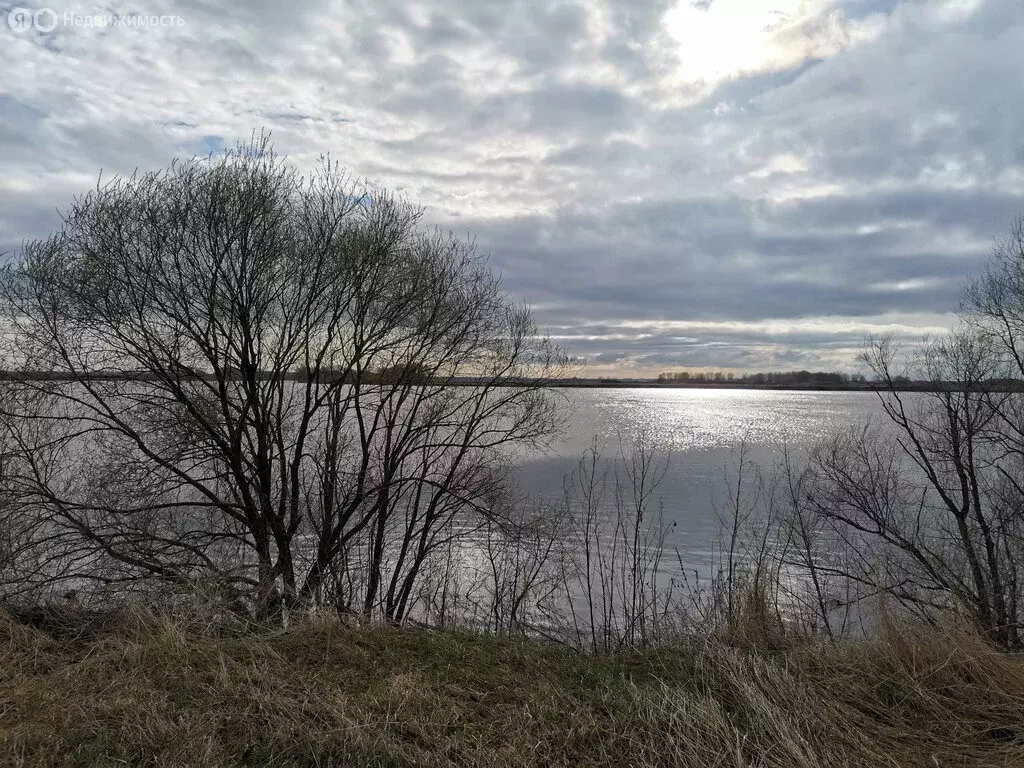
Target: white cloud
(753,164)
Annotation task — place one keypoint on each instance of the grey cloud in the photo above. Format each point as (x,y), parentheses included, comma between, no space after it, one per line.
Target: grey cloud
(865,184)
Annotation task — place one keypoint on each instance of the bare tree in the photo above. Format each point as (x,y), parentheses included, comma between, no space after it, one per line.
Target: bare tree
(282,383)
(815,591)
(525,554)
(919,510)
(926,507)
(618,591)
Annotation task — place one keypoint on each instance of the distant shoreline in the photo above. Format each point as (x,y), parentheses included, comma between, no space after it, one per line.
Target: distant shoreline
(581,383)
(653,384)
(870,386)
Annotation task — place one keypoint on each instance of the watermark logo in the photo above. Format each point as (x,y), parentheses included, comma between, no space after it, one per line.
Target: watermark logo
(22,20)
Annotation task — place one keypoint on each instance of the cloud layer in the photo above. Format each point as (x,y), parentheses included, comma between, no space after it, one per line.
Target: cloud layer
(750,184)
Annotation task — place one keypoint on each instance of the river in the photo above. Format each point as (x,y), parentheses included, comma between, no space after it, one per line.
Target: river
(698,432)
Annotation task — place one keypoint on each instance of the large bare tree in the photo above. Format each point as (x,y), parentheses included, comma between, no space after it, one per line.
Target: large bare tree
(922,507)
(287,385)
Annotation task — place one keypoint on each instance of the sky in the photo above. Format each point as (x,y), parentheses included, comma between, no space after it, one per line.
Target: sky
(671,184)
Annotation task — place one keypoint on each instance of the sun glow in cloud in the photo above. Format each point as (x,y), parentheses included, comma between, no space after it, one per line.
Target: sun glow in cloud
(728,38)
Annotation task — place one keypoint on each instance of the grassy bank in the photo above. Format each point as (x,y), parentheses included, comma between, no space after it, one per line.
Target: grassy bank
(148,692)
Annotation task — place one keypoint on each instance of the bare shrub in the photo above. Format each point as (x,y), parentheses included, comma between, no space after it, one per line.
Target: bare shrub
(617,587)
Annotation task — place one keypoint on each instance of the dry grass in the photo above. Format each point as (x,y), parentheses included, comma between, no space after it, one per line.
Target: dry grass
(148,692)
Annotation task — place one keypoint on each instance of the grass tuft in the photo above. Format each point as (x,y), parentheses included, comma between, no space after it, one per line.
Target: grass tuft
(153,692)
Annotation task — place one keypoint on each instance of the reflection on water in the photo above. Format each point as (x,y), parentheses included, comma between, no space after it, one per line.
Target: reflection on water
(698,432)
(685,420)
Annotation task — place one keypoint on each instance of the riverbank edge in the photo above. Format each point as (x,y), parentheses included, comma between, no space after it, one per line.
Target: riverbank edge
(149,690)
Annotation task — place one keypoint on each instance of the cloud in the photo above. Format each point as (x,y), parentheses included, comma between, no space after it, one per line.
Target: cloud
(734,183)
(726,39)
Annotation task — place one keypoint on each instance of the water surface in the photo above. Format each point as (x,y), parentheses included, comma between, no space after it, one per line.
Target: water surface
(698,432)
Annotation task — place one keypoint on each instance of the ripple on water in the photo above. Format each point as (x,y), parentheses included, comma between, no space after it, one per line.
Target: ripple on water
(697,431)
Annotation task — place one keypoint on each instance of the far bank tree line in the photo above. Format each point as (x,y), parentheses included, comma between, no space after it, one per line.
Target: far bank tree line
(784,378)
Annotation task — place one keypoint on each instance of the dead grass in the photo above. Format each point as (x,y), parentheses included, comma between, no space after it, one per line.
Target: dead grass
(148,692)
